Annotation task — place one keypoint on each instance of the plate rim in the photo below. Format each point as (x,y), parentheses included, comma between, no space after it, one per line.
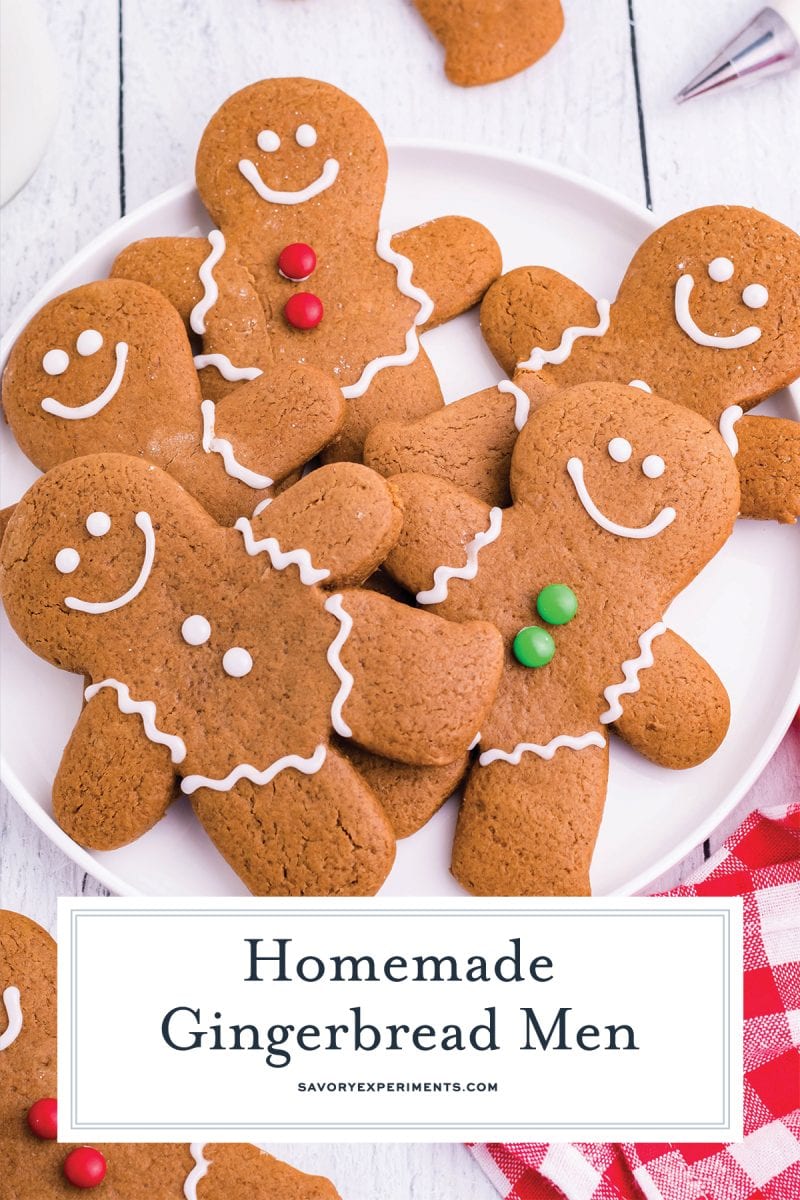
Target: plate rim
(187,189)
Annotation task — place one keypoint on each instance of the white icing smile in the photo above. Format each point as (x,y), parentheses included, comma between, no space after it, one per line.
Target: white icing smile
(92,407)
(656,526)
(736,341)
(326,177)
(144,523)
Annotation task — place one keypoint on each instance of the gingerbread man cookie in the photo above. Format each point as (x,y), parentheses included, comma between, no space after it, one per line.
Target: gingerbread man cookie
(488,40)
(620,498)
(293,173)
(217,660)
(37,1167)
(107,366)
(708,314)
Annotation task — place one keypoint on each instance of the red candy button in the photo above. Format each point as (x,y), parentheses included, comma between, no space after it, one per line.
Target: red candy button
(42,1119)
(303,310)
(85,1167)
(297,262)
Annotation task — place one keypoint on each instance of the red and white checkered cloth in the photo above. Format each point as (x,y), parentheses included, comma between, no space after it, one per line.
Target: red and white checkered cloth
(760,862)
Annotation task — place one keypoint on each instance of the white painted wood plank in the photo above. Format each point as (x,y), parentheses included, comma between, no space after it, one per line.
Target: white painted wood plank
(74,193)
(183,57)
(737,148)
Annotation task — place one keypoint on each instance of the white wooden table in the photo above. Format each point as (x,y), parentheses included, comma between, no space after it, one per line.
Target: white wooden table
(140,79)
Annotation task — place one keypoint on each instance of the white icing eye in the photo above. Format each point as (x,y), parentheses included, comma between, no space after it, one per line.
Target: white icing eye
(89,342)
(640,383)
(755,295)
(620,449)
(720,269)
(237,662)
(196,630)
(98,524)
(306,135)
(67,560)
(267,140)
(55,362)
(653,466)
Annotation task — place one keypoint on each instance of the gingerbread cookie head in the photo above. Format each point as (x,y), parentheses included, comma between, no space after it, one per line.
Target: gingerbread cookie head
(708,314)
(628,474)
(105,365)
(718,292)
(283,146)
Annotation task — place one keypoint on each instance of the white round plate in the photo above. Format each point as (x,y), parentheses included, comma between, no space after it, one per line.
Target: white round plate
(741,613)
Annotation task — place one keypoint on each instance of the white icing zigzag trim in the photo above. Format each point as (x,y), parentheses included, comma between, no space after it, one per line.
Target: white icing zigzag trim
(146,709)
(14,1011)
(731,415)
(656,526)
(281,559)
(225,367)
(737,341)
(630,670)
(334,605)
(221,446)
(443,574)
(327,176)
(308,766)
(523,408)
(92,407)
(564,740)
(197,317)
(404,268)
(142,520)
(562,351)
(198,1171)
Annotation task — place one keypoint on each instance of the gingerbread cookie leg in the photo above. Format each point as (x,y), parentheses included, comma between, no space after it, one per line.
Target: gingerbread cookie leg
(455,260)
(409,795)
(323,834)
(113,783)
(489,40)
(769,468)
(409,392)
(675,712)
(529,829)
(446,668)
(444,443)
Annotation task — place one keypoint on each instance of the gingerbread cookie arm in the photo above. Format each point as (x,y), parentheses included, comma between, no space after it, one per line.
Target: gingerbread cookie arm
(409,795)
(216,298)
(323,834)
(345,516)
(769,467)
(249,1171)
(530,308)
(681,712)
(529,828)
(468,443)
(442,528)
(113,783)
(455,259)
(421,686)
(274,423)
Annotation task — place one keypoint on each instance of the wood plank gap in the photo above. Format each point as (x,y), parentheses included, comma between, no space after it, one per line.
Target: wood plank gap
(648,197)
(121,109)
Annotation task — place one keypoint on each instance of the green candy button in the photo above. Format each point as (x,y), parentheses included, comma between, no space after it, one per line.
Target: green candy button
(556,604)
(534,647)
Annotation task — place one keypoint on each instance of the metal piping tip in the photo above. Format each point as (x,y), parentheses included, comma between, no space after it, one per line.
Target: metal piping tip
(768,45)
